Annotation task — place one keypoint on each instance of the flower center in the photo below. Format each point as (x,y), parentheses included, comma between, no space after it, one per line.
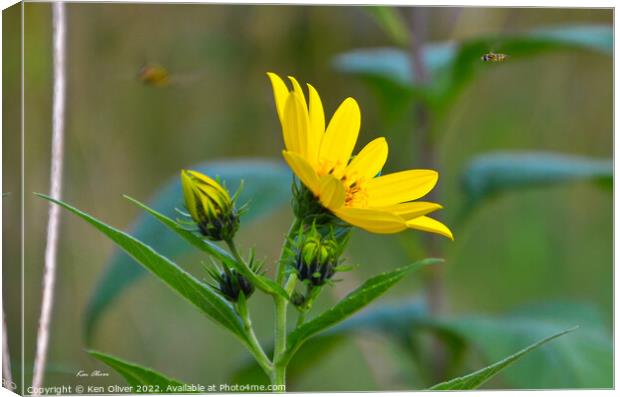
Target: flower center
(355,195)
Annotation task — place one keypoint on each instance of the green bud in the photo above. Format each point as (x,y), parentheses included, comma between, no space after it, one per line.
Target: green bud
(317,258)
(210,206)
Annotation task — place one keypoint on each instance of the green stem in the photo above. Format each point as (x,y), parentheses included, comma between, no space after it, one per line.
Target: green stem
(233,250)
(301,318)
(281,266)
(278,375)
(253,343)
(280,341)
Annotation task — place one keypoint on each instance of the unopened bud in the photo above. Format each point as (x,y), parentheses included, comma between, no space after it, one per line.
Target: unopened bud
(210,206)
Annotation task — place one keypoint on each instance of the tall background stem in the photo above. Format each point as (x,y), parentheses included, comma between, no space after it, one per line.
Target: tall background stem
(426,154)
(51,248)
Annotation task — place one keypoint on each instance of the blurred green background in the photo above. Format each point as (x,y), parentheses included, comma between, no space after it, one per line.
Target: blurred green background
(529,247)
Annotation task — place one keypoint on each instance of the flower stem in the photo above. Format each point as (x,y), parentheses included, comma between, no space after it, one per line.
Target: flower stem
(281,266)
(301,318)
(253,343)
(278,375)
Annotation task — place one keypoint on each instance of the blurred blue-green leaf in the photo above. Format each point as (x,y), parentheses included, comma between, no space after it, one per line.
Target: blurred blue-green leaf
(476,379)
(490,174)
(451,65)
(583,360)
(196,292)
(267,186)
(136,375)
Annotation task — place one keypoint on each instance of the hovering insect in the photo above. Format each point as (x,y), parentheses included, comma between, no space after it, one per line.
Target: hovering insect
(155,75)
(494,57)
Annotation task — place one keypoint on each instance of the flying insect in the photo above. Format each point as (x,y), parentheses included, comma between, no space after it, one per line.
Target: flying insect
(494,57)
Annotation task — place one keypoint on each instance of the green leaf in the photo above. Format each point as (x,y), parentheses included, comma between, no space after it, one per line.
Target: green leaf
(209,302)
(475,379)
(354,301)
(137,375)
(391,21)
(585,360)
(262,282)
(267,187)
(451,65)
(493,173)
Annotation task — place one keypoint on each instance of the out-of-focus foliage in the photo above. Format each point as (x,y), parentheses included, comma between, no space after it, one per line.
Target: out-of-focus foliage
(451,65)
(392,22)
(266,187)
(493,173)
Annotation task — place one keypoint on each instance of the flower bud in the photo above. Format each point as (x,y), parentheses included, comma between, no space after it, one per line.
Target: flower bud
(210,206)
(231,284)
(316,259)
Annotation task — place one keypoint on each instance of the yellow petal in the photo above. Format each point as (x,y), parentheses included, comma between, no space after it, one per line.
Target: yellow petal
(413,209)
(400,187)
(295,126)
(317,124)
(427,224)
(374,221)
(339,139)
(297,89)
(303,170)
(331,192)
(201,178)
(369,161)
(188,194)
(280,93)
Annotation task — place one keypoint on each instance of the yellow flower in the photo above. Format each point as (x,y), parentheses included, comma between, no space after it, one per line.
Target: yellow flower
(209,205)
(349,187)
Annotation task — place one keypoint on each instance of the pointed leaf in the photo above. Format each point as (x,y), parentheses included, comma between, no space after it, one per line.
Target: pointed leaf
(475,379)
(209,302)
(356,300)
(137,375)
(584,360)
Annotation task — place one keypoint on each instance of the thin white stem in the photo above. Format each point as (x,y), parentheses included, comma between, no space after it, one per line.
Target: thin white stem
(51,248)
(6,358)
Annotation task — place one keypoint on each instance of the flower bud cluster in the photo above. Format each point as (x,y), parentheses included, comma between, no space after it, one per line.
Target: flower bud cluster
(316,258)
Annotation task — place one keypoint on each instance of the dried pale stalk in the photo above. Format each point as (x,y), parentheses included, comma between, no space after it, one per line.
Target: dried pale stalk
(6,360)
(51,248)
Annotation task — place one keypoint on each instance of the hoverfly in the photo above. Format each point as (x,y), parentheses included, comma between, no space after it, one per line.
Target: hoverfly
(494,57)
(155,75)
